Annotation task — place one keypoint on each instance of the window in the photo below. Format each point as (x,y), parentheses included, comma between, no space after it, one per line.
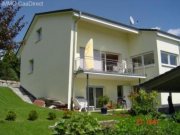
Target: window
(137,61)
(39,34)
(173,60)
(31,66)
(164,58)
(109,60)
(148,59)
(119,91)
(143,60)
(168,58)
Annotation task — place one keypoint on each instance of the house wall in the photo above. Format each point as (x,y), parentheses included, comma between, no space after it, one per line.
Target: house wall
(109,87)
(169,46)
(105,39)
(51,57)
(142,43)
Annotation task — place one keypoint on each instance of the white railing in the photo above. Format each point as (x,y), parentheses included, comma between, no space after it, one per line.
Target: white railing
(110,65)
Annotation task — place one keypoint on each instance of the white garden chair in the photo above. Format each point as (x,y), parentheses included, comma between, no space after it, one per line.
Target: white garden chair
(80,103)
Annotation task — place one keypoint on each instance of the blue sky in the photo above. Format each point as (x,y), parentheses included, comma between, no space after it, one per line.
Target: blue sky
(163,14)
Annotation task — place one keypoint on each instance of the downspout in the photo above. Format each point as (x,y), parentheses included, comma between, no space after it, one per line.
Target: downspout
(74,45)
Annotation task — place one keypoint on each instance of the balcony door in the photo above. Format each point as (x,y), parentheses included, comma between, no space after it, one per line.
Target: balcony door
(109,60)
(94,94)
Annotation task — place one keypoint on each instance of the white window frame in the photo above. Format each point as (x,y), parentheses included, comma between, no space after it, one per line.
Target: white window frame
(38,34)
(142,59)
(31,66)
(169,61)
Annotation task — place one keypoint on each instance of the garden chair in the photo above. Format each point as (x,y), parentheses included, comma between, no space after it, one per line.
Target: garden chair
(80,103)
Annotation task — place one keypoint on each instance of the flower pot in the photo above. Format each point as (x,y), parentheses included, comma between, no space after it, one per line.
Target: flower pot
(103,110)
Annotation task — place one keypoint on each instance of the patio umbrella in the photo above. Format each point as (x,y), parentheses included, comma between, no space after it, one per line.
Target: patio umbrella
(88,62)
(89,55)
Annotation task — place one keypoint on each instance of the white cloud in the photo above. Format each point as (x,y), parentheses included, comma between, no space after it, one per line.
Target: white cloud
(157,28)
(174,31)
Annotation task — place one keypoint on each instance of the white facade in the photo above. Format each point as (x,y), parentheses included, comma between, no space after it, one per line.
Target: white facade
(48,65)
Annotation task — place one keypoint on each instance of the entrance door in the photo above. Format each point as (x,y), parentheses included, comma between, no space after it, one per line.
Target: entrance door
(94,94)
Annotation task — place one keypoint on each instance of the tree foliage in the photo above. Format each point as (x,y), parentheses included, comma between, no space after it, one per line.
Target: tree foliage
(10,26)
(10,67)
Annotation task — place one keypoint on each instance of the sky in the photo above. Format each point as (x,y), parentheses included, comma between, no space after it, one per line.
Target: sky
(161,14)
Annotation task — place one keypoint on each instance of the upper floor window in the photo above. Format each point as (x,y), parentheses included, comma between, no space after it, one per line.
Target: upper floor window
(143,59)
(31,66)
(168,58)
(39,34)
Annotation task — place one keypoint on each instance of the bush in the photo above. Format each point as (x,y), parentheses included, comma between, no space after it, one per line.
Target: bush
(177,117)
(33,115)
(67,114)
(143,102)
(103,100)
(78,124)
(146,126)
(11,116)
(51,116)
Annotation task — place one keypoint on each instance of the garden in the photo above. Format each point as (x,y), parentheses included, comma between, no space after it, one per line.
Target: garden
(20,118)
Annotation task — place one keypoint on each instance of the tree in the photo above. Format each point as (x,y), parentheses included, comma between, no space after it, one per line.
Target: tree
(9,27)
(10,67)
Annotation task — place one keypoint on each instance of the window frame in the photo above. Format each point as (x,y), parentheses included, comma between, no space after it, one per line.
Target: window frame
(39,34)
(142,60)
(169,59)
(31,66)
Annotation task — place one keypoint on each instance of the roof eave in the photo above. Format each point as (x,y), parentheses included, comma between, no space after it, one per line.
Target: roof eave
(106,22)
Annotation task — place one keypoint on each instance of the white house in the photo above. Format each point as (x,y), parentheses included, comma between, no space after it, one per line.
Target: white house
(55,60)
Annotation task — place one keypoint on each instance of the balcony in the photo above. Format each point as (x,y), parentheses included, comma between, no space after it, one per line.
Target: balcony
(111,66)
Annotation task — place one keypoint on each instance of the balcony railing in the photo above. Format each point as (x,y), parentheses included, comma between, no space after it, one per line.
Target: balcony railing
(109,66)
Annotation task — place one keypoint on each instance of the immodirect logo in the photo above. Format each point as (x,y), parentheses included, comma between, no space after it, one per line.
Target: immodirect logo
(22,3)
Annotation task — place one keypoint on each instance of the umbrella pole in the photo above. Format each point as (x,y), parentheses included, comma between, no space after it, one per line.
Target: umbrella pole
(87,89)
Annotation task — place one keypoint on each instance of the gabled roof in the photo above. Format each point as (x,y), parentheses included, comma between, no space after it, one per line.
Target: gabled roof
(160,31)
(96,17)
(167,82)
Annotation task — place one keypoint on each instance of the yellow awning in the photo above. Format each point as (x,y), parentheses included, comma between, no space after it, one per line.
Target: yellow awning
(89,55)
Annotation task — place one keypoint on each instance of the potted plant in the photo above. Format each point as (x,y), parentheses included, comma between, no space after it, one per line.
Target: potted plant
(103,100)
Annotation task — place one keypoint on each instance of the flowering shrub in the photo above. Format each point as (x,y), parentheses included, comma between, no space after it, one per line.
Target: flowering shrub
(146,126)
(143,102)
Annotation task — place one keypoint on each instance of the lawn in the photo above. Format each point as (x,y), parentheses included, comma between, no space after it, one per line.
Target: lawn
(21,126)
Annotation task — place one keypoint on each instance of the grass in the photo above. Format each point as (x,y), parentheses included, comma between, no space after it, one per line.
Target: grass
(21,126)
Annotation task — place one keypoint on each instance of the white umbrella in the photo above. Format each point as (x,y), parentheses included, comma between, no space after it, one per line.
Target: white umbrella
(89,55)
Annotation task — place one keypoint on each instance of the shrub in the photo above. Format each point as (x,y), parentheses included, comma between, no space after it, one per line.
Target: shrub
(143,102)
(51,116)
(78,124)
(67,114)
(103,100)
(146,126)
(33,115)
(177,117)
(11,116)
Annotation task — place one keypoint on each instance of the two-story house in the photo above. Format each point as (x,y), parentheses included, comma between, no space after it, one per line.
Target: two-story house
(54,59)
